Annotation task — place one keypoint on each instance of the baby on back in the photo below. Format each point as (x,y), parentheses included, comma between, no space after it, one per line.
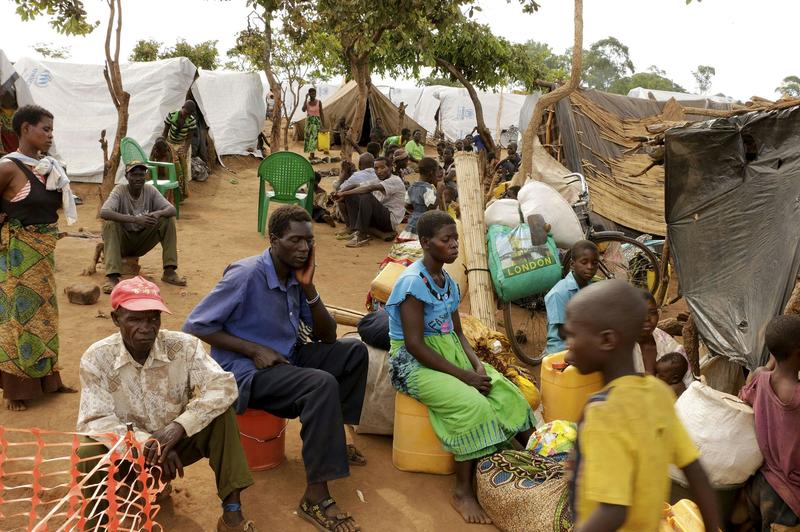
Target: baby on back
(671,368)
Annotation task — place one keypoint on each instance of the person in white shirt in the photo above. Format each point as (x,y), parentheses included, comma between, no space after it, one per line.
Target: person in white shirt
(379,203)
(174,395)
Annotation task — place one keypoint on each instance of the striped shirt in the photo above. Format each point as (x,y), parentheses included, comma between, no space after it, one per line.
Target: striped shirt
(178,135)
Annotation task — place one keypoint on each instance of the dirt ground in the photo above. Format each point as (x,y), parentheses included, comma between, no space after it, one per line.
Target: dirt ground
(217,226)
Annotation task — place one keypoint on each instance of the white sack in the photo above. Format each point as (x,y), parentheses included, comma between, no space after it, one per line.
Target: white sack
(377,414)
(723,428)
(538,198)
(502,212)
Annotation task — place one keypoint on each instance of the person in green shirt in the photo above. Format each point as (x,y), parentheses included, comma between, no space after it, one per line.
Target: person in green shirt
(400,140)
(178,129)
(416,147)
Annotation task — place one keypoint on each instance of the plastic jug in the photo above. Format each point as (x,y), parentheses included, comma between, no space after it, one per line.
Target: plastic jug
(263,438)
(564,389)
(415,447)
(383,283)
(324,140)
(683,516)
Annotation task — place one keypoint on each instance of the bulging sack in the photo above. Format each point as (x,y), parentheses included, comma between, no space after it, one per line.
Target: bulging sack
(538,198)
(502,212)
(519,269)
(723,428)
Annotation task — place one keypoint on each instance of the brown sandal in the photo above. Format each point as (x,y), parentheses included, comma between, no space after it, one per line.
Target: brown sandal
(354,456)
(317,516)
(244,526)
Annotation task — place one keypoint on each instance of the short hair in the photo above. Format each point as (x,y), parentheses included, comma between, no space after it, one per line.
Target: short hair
(374,148)
(31,114)
(190,104)
(283,217)
(783,335)
(648,296)
(583,245)
(365,160)
(405,132)
(391,148)
(384,160)
(428,166)
(430,223)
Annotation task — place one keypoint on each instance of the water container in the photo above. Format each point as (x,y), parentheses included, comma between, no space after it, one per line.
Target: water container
(564,389)
(415,447)
(383,283)
(683,516)
(263,439)
(324,140)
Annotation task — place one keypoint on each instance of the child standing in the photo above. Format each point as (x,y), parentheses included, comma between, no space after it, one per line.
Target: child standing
(629,433)
(774,492)
(421,195)
(583,266)
(473,409)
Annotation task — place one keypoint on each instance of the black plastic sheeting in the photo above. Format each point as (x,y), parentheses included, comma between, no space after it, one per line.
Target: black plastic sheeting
(733,214)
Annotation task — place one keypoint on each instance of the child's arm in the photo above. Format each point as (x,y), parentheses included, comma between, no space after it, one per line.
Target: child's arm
(703,495)
(607,517)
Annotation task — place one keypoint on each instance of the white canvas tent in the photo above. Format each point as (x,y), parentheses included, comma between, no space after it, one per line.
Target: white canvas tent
(10,79)
(78,97)
(324,92)
(233,106)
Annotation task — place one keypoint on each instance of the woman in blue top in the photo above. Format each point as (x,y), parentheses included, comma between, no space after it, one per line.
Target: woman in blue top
(473,409)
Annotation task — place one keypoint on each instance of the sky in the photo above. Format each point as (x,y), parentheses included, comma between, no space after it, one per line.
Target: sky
(750,44)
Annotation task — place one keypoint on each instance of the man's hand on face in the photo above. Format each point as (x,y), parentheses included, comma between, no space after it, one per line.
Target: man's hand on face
(161,443)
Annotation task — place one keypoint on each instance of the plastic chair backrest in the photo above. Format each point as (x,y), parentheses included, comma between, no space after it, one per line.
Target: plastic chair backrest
(130,150)
(286,172)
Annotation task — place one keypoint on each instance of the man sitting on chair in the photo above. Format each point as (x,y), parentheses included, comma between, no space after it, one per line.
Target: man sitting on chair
(137,217)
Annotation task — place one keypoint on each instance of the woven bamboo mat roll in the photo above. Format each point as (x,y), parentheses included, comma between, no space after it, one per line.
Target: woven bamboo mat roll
(481,293)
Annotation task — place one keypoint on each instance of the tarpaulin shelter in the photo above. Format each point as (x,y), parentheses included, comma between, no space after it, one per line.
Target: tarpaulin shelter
(233,106)
(732,209)
(78,97)
(14,94)
(342,104)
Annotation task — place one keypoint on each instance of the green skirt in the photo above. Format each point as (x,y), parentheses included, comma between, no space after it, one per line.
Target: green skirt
(469,424)
(313,125)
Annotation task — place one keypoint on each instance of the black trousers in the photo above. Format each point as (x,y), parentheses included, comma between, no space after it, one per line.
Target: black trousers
(365,211)
(325,389)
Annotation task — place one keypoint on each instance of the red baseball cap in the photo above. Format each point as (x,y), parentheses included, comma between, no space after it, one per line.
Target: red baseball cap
(137,294)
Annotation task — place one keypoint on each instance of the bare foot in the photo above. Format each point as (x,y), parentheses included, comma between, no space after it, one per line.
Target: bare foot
(16,406)
(470,509)
(66,389)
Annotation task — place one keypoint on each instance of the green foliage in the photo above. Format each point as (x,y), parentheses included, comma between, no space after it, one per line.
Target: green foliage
(48,51)
(66,16)
(606,61)
(145,51)
(554,67)
(204,55)
(790,87)
(703,76)
(431,80)
(647,80)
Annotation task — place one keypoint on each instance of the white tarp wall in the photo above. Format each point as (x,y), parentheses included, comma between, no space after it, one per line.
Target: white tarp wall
(457,114)
(78,97)
(324,91)
(234,108)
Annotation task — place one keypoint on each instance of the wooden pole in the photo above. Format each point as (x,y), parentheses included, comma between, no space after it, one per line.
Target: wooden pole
(345,316)
(481,293)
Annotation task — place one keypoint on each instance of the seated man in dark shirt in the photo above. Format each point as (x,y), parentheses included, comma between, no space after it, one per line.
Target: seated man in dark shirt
(256,320)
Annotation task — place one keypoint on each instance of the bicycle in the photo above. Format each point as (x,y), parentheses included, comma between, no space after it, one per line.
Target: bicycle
(622,257)
(507,136)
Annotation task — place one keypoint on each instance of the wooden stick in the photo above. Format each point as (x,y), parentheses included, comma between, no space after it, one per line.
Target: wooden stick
(345,316)
(481,293)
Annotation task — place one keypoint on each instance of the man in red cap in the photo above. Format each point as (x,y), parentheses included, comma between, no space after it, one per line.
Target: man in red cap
(174,394)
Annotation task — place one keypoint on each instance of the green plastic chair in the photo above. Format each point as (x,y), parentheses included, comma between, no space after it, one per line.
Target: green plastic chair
(131,151)
(287,172)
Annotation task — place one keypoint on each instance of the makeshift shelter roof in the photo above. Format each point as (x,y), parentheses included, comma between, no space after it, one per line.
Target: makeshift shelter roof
(78,97)
(664,96)
(10,80)
(342,104)
(234,107)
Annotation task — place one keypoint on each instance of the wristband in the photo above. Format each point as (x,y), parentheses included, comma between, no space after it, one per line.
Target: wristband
(313,301)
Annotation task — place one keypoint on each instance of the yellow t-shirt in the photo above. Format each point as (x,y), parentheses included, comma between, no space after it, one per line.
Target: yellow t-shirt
(629,436)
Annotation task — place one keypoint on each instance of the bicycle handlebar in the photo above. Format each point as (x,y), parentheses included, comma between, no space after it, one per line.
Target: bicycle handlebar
(584,188)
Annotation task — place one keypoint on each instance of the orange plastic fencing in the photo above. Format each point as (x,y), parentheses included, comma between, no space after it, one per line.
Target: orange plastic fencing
(43,490)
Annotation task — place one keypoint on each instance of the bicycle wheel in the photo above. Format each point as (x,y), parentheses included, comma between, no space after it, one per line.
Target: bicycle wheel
(625,258)
(507,136)
(525,322)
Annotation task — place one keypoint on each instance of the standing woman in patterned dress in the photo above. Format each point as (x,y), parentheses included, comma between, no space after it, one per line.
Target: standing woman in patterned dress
(315,121)
(28,308)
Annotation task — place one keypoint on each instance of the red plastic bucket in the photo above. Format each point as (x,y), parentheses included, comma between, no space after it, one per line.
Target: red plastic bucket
(263,439)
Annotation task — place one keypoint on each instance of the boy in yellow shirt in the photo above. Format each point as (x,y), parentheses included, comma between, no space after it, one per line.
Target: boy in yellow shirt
(629,433)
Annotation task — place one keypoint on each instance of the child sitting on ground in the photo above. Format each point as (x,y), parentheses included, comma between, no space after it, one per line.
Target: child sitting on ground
(583,266)
(319,212)
(473,409)
(773,494)
(629,433)
(422,195)
(671,368)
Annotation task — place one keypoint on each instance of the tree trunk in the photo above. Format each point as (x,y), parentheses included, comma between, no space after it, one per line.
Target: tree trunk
(483,131)
(359,66)
(550,98)
(119,97)
(274,86)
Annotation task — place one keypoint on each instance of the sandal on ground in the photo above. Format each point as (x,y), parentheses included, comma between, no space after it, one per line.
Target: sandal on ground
(359,241)
(315,514)
(244,526)
(354,456)
(344,235)
(174,279)
(108,287)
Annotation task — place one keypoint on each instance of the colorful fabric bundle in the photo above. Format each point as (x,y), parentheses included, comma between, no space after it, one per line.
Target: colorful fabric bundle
(554,440)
